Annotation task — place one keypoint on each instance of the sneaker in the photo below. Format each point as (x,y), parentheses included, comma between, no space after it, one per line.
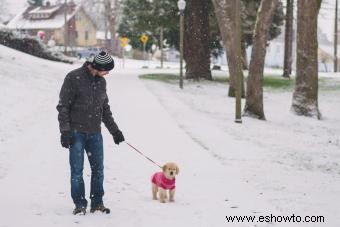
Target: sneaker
(101,208)
(79,210)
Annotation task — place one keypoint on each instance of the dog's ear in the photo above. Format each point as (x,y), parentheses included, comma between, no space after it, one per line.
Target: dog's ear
(164,167)
(177,170)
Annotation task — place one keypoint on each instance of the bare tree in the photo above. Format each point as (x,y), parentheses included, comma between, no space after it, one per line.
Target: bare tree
(114,19)
(305,96)
(96,10)
(107,23)
(336,37)
(288,56)
(226,18)
(111,10)
(229,21)
(254,94)
(105,15)
(3,11)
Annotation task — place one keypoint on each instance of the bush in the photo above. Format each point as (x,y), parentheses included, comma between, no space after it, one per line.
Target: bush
(30,45)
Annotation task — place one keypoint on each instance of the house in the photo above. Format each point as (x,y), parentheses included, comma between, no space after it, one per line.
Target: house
(48,23)
(103,38)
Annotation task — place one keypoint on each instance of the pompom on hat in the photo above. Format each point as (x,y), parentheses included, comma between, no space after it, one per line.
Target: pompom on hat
(103,62)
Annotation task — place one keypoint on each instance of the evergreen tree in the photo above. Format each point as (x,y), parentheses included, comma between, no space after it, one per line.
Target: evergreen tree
(196,40)
(149,16)
(249,10)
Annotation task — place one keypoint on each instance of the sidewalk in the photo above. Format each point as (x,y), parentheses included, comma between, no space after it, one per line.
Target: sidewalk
(206,190)
(35,187)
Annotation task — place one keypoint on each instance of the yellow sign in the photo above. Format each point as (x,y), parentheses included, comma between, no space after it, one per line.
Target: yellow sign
(144,38)
(124,41)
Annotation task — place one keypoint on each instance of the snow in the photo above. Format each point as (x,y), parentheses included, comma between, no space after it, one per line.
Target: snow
(283,166)
(50,10)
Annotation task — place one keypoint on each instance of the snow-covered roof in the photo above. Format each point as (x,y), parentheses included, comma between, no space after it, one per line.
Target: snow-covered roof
(22,21)
(45,10)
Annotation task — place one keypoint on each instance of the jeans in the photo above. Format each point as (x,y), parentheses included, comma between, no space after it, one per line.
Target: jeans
(93,145)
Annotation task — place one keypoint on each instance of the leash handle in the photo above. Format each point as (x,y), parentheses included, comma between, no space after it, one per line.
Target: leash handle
(143,154)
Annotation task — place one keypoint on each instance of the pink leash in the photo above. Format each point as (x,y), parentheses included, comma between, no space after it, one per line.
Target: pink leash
(143,155)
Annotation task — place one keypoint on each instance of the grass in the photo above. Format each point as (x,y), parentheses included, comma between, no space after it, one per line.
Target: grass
(277,82)
(329,84)
(270,81)
(168,78)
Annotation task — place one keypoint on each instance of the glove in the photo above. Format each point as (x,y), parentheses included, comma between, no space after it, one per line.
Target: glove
(118,137)
(66,139)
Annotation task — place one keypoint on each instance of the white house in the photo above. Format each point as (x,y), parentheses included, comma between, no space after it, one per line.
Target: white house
(48,22)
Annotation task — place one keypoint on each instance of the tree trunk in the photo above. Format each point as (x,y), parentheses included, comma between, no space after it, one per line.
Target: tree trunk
(196,47)
(254,96)
(113,23)
(226,21)
(305,96)
(336,37)
(244,56)
(107,23)
(288,57)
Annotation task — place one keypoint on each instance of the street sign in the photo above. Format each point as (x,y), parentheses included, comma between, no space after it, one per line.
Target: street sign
(124,41)
(144,38)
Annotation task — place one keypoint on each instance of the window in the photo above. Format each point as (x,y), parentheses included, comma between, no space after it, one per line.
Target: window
(86,35)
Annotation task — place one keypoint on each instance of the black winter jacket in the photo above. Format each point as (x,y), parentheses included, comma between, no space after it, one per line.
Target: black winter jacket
(83,103)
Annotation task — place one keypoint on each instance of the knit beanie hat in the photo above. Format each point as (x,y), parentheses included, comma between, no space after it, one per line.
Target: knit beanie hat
(103,62)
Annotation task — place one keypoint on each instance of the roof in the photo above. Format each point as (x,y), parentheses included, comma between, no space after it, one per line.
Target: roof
(50,17)
(42,9)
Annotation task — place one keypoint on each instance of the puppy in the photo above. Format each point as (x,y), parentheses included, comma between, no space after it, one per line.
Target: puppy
(165,181)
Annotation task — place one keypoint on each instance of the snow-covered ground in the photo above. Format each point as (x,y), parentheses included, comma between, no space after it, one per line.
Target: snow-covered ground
(287,165)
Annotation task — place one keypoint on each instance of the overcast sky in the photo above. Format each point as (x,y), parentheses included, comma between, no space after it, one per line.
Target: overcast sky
(326,16)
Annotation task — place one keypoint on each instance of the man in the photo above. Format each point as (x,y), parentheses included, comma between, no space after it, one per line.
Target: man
(83,105)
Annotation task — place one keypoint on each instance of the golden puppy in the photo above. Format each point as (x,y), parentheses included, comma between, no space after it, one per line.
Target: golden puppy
(163,181)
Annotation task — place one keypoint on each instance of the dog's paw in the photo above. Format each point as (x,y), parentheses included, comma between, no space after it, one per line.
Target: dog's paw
(154,198)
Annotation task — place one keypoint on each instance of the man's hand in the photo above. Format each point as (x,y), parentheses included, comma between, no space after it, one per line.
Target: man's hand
(66,139)
(118,137)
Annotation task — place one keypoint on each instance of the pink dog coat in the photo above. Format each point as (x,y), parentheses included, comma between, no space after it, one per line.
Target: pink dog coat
(160,180)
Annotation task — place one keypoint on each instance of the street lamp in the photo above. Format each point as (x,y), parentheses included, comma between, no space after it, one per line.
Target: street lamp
(181,6)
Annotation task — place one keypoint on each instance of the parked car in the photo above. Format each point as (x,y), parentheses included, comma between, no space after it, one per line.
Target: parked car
(87,53)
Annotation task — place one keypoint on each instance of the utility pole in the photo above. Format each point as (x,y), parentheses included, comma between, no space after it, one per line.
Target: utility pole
(336,37)
(65,28)
(239,61)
